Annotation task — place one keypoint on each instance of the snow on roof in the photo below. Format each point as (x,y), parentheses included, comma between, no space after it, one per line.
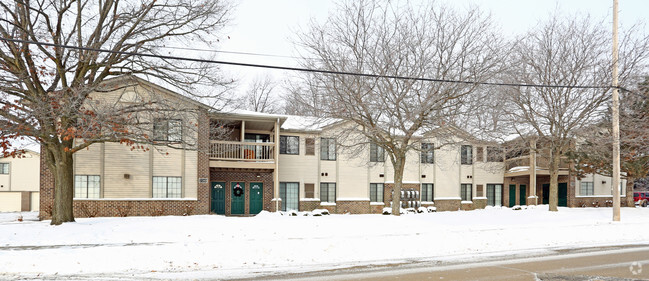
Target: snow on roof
(306,123)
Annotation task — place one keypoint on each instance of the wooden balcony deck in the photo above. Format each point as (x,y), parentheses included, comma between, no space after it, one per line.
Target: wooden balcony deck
(235,154)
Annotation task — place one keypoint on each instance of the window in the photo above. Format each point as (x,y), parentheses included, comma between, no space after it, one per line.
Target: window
(328,192)
(289,192)
(327,149)
(427,192)
(377,154)
(167,130)
(465,192)
(4,168)
(586,188)
(376,192)
(479,154)
(309,190)
(494,194)
(494,154)
(310,146)
(467,155)
(86,186)
(167,187)
(289,145)
(427,153)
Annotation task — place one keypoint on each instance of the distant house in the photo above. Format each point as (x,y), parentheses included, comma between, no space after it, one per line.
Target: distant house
(244,162)
(19,183)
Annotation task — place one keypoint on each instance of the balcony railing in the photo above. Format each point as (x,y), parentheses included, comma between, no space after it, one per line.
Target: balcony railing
(242,151)
(541,163)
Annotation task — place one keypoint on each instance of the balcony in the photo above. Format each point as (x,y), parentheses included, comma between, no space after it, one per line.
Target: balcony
(520,166)
(235,154)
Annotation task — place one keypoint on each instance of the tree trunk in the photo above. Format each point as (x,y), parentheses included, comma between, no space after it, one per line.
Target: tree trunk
(554,180)
(398,180)
(62,169)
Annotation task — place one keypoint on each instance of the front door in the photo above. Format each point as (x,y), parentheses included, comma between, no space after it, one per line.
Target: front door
(256,197)
(512,195)
(218,198)
(238,202)
(546,193)
(522,194)
(563,194)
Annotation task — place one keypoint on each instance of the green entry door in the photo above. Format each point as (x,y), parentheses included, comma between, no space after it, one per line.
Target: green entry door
(546,193)
(238,201)
(218,198)
(256,197)
(512,195)
(563,194)
(522,195)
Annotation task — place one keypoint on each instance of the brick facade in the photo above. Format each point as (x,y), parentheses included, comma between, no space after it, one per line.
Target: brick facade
(247,176)
(308,206)
(353,207)
(479,203)
(448,205)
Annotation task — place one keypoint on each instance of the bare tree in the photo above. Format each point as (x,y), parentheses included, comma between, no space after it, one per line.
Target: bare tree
(389,39)
(259,96)
(570,51)
(48,91)
(593,154)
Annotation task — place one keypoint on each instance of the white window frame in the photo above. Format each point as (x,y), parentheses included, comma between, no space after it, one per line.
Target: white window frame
(377,190)
(586,188)
(83,188)
(328,192)
(167,187)
(4,168)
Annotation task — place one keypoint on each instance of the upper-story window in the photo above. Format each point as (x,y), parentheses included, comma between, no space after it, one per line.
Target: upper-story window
(427,153)
(467,155)
(377,153)
(494,154)
(4,168)
(167,130)
(327,149)
(309,144)
(289,145)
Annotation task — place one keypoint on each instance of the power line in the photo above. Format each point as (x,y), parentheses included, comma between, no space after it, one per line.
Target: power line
(305,69)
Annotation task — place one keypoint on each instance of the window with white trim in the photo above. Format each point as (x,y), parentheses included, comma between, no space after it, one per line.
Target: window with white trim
(376,192)
(466,191)
(289,145)
(4,168)
(86,186)
(167,187)
(327,149)
(427,153)
(328,192)
(170,130)
(289,192)
(377,153)
(586,188)
(466,154)
(427,192)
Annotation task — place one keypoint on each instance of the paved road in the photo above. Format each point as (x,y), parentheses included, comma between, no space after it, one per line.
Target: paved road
(594,264)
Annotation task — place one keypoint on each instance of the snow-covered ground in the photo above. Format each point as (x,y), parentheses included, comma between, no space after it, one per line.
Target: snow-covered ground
(211,246)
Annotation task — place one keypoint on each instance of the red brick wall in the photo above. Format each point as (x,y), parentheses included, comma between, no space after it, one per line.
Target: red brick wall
(447,205)
(353,207)
(46,189)
(308,206)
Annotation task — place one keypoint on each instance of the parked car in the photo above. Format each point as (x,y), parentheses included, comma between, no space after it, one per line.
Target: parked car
(641,198)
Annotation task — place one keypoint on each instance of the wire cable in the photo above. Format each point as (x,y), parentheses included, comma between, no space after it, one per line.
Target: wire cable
(306,69)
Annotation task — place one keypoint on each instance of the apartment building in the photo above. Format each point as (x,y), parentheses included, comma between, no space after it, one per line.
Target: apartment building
(240,163)
(19,183)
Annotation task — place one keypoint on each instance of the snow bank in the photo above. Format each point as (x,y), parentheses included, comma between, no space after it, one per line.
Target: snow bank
(216,247)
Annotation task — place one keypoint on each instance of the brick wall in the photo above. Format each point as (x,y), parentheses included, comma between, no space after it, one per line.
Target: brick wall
(308,206)
(353,207)
(46,189)
(247,176)
(447,205)
(479,203)
(376,209)
(468,206)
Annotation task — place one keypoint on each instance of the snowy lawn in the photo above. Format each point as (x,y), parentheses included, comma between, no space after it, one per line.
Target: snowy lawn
(211,246)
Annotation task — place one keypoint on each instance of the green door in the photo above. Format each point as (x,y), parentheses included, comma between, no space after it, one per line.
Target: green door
(512,195)
(522,195)
(546,193)
(237,201)
(256,197)
(563,195)
(218,198)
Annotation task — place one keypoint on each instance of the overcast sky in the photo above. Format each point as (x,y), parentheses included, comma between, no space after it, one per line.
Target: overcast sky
(267,27)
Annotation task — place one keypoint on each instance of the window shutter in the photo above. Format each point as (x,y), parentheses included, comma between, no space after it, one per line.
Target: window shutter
(308,190)
(479,190)
(310,146)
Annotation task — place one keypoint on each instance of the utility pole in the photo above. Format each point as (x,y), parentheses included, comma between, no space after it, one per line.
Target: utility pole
(616,122)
